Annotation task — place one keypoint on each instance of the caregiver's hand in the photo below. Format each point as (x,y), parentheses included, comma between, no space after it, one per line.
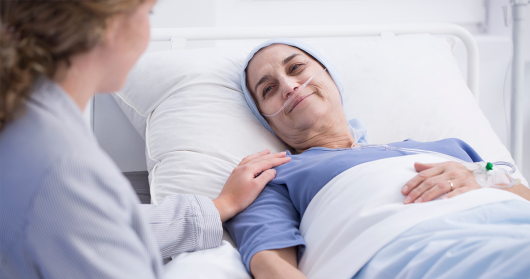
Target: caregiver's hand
(246,182)
(434,180)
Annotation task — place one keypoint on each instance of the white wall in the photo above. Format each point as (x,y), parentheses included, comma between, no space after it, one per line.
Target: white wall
(469,13)
(178,13)
(484,18)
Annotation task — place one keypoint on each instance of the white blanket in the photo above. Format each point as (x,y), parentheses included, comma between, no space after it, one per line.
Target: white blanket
(348,221)
(361,210)
(223,262)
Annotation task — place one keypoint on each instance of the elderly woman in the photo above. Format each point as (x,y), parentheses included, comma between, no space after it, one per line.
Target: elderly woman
(296,94)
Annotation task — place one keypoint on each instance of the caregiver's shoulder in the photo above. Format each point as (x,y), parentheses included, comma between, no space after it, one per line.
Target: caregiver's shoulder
(35,141)
(42,144)
(53,169)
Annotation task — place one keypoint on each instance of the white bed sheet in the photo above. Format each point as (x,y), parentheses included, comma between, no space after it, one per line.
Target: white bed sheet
(361,210)
(223,262)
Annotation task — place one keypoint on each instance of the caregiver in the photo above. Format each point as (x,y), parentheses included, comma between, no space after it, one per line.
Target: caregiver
(66,211)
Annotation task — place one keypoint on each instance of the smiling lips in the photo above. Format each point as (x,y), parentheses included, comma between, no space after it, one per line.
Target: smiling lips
(295,95)
(298,100)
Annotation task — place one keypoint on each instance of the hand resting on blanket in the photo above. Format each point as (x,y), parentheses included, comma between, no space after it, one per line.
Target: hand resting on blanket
(432,182)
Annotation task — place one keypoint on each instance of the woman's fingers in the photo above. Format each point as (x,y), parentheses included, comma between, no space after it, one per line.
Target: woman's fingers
(441,188)
(267,163)
(265,177)
(254,156)
(263,155)
(438,184)
(435,169)
(247,181)
(421,166)
(435,180)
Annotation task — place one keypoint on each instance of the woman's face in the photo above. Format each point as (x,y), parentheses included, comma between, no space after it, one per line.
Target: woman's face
(274,73)
(126,39)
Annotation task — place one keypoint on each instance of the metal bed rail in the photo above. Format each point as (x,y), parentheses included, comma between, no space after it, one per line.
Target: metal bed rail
(178,37)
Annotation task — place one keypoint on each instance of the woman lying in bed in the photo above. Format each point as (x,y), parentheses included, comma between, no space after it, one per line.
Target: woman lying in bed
(326,146)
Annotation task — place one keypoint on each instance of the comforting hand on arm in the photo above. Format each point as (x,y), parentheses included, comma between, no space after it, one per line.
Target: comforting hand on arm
(241,189)
(451,178)
(246,182)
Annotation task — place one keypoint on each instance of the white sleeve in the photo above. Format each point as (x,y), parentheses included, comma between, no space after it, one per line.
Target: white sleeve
(184,223)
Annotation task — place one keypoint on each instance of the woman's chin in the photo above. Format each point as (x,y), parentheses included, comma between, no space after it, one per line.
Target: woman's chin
(309,112)
(306,122)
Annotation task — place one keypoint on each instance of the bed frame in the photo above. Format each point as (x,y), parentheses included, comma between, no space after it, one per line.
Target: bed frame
(517,109)
(178,37)
(123,133)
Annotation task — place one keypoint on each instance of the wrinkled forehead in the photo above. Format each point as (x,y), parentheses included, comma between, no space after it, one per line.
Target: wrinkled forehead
(271,57)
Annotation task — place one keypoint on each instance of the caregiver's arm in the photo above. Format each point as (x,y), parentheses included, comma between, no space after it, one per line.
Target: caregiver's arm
(279,263)
(434,180)
(185,223)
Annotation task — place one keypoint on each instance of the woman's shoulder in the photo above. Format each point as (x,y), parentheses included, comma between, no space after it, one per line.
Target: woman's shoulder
(41,154)
(49,126)
(33,142)
(38,146)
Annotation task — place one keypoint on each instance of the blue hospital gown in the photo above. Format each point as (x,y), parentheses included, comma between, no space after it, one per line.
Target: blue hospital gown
(272,221)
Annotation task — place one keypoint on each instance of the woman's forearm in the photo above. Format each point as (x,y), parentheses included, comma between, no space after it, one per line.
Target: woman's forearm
(520,190)
(279,263)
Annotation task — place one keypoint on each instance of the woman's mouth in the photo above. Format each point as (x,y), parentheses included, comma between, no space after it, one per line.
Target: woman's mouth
(299,100)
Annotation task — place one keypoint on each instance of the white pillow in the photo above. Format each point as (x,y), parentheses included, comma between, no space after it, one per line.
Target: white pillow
(189,106)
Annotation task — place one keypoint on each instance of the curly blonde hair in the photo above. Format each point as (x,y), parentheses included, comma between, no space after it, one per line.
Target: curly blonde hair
(36,35)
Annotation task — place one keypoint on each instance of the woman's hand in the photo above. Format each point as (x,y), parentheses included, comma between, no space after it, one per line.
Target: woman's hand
(433,180)
(246,182)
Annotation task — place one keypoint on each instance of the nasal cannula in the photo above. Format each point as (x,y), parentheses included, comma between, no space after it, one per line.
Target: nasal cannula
(486,174)
(295,93)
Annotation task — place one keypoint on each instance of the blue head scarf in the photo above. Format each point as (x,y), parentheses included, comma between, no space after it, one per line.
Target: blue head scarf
(357,125)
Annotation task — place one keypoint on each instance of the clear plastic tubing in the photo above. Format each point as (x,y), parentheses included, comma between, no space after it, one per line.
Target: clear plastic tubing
(420,151)
(296,92)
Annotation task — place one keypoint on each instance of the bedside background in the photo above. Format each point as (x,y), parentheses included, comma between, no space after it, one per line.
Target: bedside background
(483,18)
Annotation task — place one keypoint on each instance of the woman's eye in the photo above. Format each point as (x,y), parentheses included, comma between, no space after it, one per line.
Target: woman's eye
(267,90)
(295,67)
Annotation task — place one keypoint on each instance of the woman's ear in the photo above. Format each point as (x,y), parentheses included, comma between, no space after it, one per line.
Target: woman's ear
(112,32)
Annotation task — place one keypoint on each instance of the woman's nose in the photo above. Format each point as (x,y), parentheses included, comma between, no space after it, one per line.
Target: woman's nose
(288,88)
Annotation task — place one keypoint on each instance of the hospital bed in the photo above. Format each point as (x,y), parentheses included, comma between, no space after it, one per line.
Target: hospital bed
(186,108)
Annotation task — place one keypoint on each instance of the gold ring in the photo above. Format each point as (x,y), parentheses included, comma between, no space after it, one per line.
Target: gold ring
(451,184)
